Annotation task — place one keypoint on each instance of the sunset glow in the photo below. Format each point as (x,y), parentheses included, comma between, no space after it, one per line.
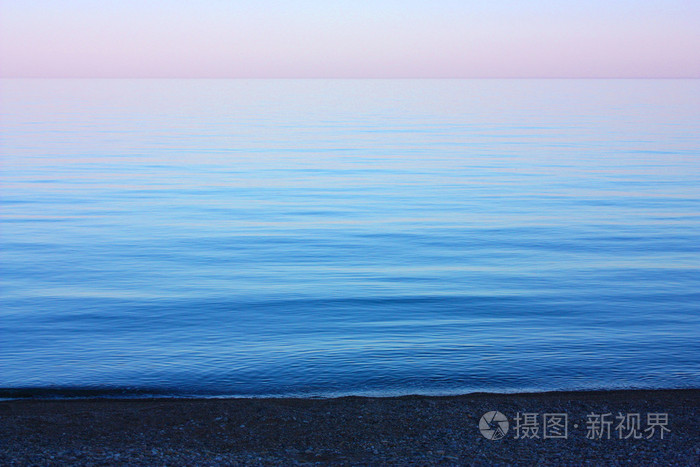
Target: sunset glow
(310,38)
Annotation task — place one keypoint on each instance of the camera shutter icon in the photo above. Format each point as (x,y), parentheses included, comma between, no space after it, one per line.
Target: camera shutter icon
(493,425)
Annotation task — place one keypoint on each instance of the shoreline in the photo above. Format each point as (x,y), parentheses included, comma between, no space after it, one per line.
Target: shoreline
(404,430)
(78,394)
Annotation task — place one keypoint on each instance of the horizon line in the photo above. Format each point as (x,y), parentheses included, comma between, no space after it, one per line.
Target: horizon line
(364,77)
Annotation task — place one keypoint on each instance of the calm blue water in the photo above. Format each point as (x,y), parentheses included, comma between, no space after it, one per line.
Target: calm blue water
(349,237)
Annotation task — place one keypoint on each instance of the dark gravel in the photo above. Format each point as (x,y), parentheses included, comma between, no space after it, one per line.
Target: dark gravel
(411,430)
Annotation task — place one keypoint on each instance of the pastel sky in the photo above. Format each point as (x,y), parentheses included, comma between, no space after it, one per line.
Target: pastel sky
(350,38)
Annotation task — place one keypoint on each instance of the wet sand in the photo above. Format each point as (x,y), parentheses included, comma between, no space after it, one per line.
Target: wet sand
(412,430)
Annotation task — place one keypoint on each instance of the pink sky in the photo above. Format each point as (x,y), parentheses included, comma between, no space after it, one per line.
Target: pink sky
(311,38)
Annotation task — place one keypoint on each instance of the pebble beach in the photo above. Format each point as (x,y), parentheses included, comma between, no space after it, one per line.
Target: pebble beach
(410,430)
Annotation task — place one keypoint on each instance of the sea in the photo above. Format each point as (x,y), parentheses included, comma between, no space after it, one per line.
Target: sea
(320,238)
